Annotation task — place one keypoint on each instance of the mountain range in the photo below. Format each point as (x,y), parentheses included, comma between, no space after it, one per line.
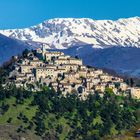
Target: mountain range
(101,43)
(10,47)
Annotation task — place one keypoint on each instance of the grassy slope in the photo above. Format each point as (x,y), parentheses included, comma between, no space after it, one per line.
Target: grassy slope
(14,111)
(130,135)
(29,111)
(7,129)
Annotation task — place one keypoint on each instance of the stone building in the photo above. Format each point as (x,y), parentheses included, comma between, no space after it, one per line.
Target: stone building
(53,55)
(123,86)
(66,74)
(135,92)
(26,68)
(36,63)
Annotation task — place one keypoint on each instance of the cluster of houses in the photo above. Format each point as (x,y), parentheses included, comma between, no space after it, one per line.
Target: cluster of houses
(64,74)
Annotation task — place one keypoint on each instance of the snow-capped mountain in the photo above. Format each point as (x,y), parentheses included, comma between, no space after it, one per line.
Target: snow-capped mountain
(84,37)
(63,33)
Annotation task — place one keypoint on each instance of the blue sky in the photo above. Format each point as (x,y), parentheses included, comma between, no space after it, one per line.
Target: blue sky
(24,13)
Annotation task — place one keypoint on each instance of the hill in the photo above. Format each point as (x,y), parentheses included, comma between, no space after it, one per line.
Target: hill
(124,61)
(10,47)
(47,116)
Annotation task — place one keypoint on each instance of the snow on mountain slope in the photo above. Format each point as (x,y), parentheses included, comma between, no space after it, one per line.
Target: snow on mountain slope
(66,32)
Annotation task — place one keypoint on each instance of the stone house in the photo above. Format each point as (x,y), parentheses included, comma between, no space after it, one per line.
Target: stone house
(25,69)
(90,84)
(50,55)
(40,73)
(105,78)
(61,61)
(72,67)
(21,78)
(29,75)
(123,86)
(111,85)
(82,73)
(51,66)
(36,63)
(96,81)
(75,61)
(72,76)
(99,72)
(82,67)
(60,71)
(55,86)
(100,87)
(135,92)
(64,57)
(67,87)
(44,73)
(25,62)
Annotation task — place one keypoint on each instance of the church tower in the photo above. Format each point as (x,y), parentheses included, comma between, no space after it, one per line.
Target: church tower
(43,51)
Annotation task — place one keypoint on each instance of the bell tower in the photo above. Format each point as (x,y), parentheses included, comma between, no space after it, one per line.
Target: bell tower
(43,51)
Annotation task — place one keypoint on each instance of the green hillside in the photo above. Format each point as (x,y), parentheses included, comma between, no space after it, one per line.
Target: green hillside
(45,115)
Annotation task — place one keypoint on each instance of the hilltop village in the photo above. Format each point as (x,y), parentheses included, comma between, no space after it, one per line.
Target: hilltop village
(64,74)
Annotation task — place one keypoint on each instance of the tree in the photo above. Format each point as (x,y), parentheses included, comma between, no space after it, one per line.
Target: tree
(25,53)
(59,128)
(4,108)
(9,120)
(131,82)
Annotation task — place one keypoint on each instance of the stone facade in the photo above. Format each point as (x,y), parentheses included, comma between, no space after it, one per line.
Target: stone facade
(135,92)
(66,74)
